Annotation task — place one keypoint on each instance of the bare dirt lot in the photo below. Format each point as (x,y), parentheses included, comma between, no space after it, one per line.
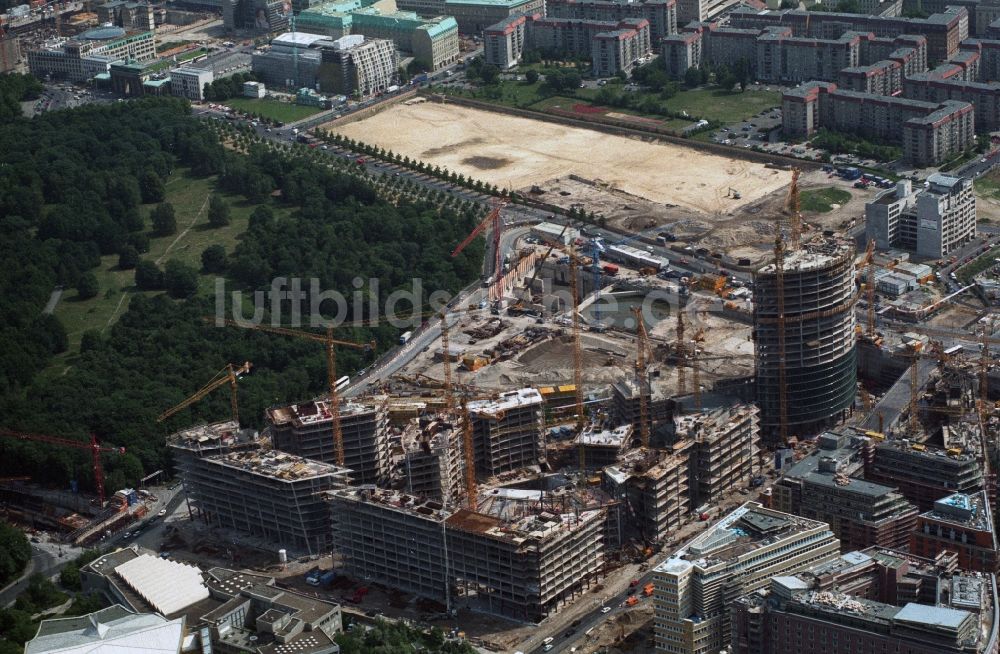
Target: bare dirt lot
(514,152)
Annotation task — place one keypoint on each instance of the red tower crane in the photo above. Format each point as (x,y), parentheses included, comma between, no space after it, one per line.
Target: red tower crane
(491,221)
(96,449)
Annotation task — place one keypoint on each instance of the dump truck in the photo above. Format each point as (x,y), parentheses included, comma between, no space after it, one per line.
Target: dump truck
(647,590)
(632,601)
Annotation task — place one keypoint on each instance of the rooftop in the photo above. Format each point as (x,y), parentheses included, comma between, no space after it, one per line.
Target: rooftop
(109,630)
(314,412)
(523,397)
(275,464)
(211,436)
(168,586)
(617,437)
(970,511)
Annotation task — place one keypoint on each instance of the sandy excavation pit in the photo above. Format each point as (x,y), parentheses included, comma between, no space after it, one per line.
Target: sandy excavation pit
(514,152)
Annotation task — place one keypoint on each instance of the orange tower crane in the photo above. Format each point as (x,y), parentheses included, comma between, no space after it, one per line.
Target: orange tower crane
(870,286)
(779,284)
(695,369)
(469,454)
(641,366)
(794,208)
(331,368)
(680,349)
(449,399)
(577,353)
(227,375)
(96,449)
(914,422)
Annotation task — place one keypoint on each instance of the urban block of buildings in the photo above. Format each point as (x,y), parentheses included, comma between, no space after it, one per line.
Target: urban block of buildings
(696,585)
(933,221)
(90,53)
(963,525)
(350,65)
(922,473)
(611,46)
(114,628)
(875,600)
(432,40)
(861,513)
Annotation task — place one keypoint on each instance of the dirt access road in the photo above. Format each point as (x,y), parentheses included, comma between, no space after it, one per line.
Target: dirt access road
(514,152)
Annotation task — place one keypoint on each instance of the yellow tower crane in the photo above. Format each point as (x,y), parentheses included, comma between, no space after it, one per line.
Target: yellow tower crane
(227,375)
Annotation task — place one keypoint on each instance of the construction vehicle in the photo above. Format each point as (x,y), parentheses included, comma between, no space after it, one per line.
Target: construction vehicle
(632,601)
(96,449)
(227,375)
(358,596)
(647,590)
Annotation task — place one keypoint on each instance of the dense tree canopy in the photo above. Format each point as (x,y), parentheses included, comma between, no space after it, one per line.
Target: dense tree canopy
(15,552)
(72,185)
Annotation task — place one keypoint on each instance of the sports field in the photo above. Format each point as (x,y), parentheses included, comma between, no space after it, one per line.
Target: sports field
(514,152)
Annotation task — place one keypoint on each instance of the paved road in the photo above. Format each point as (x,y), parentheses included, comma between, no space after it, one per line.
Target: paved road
(43,563)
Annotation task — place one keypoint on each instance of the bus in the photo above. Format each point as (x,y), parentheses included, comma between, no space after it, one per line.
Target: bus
(404,338)
(342,383)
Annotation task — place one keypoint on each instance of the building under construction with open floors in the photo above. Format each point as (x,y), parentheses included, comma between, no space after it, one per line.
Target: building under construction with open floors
(816,374)
(603,447)
(189,445)
(266,493)
(696,585)
(653,485)
(507,432)
(306,429)
(922,473)
(626,408)
(524,568)
(432,465)
(723,450)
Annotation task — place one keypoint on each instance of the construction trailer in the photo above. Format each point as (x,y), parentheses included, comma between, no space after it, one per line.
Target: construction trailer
(306,429)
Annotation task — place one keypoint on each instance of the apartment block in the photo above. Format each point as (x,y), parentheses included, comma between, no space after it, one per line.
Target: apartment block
(306,429)
(133,16)
(266,493)
(860,513)
(507,431)
(943,31)
(358,67)
(504,42)
(933,221)
(620,49)
(908,50)
(433,464)
(723,451)
(524,568)
(961,524)
(783,58)
(923,474)
(696,585)
(292,61)
(881,78)
(681,52)
(864,602)
(938,85)
(66,58)
(625,404)
(661,14)
(930,133)
(474,16)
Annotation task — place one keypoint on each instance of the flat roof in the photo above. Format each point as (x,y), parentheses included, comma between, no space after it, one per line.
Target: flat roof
(938,616)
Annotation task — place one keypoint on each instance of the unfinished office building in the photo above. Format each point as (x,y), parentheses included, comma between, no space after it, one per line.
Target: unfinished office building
(524,569)
(306,429)
(820,371)
(603,447)
(654,489)
(625,404)
(266,493)
(433,466)
(723,451)
(861,513)
(507,432)
(189,445)
(923,474)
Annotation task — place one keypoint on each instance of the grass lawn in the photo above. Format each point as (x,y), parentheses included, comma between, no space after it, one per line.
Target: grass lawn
(988,186)
(189,196)
(725,106)
(282,111)
(822,200)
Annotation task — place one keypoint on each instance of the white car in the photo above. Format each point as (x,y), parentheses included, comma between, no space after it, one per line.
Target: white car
(162,513)
(606,609)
